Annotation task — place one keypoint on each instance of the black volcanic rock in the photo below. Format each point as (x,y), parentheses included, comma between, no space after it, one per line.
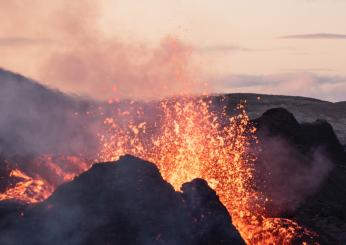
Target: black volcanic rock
(301,168)
(321,134)
(208,213)
(278,122)
(126,202)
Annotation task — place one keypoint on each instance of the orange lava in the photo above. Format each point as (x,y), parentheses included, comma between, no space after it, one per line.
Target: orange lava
(46,173)
(28,190)
(190,142)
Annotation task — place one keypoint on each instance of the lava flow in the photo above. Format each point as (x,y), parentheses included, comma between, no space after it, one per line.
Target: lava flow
(191,141)
(28,190)
(43,175)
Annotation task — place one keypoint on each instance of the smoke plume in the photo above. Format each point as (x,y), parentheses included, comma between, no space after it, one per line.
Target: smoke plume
(84,59)
(288,175)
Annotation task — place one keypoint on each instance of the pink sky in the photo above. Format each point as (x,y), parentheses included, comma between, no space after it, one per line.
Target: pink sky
(283,47)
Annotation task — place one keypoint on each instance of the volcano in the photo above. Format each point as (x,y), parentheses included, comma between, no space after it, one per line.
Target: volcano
(280,179)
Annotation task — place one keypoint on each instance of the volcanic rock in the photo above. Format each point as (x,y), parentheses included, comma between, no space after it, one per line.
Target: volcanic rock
(301,168)
(307,136)
(124,202)
(208,214)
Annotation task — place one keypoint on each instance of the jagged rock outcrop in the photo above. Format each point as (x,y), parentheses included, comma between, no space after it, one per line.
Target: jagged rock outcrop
(278,122)
(301,168)
(126,202)
(208,215)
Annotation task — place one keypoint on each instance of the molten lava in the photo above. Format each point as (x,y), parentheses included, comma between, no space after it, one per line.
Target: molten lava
(45,173)
(27,190)
(191,141)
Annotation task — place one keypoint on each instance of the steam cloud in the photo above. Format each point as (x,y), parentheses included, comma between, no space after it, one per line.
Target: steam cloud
(289,175)
(84,59)
(113,69)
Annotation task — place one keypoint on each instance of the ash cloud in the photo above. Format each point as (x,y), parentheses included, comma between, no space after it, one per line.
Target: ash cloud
(89,61)
(111,69)
(290,176)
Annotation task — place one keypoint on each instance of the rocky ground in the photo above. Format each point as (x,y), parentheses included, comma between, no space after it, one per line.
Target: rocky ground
(125,202)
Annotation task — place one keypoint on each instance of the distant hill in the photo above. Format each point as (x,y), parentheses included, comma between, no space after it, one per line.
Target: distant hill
(36,119)
(304,109)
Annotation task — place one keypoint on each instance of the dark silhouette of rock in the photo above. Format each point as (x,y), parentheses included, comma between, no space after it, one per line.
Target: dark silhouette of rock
(321,134)
(124,202)
(278,121)
(208,215)
(301,167)
(306,136)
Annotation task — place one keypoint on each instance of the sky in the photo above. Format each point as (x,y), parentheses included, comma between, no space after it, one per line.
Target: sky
(152,48)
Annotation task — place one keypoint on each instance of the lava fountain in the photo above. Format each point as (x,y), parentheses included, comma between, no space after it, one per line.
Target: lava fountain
(192,141)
